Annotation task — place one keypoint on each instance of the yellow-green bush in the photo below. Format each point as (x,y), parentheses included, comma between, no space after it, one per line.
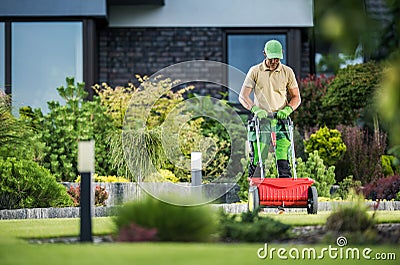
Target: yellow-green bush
(328,143)
(108,179)
(164,175)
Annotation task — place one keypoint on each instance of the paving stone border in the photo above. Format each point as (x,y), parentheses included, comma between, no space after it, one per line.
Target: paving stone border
(235,208)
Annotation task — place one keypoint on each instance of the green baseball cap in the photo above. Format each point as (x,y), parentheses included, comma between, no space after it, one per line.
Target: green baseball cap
(273,49)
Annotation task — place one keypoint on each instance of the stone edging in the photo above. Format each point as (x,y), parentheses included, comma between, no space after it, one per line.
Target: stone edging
(235,208)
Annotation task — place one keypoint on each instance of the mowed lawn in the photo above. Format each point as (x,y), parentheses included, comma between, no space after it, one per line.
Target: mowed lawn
(14,249)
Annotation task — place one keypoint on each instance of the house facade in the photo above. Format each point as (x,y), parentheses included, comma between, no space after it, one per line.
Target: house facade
(44,41)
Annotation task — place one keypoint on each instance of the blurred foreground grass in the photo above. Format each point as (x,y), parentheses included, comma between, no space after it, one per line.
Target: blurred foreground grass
(14,250)
(61,227)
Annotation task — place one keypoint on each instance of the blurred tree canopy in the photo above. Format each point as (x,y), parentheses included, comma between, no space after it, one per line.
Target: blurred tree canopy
(346,26)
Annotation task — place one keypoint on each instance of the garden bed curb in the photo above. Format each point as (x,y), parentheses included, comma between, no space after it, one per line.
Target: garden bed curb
(235,208)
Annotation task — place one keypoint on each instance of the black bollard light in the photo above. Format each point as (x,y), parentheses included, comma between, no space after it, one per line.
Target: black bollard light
(86,170)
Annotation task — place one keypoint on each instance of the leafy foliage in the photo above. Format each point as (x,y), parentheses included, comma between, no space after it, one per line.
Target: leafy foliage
(383,188)
(25,184)
(350,92)
(173,223)
(115,100)
(164,175)
(328,143)
(346,186)
(344,25)
(65,125)
(390,165)
(75,193)
(353,222)
(106,179)
(363,156)
(249,227)
(387,99)
(145,127)
(310,113)
(314,168)
(143,116)
(243,181)
(100,195)
(218,133)
(8,122)
(17,138)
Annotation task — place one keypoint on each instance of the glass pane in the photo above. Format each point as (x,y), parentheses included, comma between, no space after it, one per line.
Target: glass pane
(2,59)
(43,55)
(246,50)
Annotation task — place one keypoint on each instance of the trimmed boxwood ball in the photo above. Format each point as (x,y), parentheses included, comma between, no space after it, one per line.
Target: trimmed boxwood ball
(25,184)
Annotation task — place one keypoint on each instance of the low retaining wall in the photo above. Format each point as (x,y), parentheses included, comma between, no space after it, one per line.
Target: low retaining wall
(235,208)
(40,213)
(120,193)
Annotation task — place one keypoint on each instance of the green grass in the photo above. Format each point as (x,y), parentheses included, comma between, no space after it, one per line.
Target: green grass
(46,228)
(16,251)
(157,253)
(303,219)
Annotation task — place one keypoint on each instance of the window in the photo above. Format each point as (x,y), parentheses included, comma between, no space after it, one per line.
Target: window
(43,55)
(244,51)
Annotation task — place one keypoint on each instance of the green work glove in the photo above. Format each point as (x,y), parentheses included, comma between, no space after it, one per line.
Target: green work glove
(274,122)
(284,113)
(260,113)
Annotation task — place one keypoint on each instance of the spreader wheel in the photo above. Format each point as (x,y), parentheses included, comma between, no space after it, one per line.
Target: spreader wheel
(253,199)
(312,202)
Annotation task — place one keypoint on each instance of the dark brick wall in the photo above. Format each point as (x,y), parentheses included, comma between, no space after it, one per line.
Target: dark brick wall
(125,52)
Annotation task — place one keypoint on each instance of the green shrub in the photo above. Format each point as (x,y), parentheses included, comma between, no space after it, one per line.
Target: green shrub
(249,227)
(299,144)
(243,181)
(8,123)
(310,113)
(65,125)
(105,179)
(142,133)
(354,222)
(328,143)
(362,159)
(17,138)
(389,165)
(25,184)
(173,223)
(387,98)
(350,93)
(165,175)
(222,135)
(383,188)
(314,168)
(346,186)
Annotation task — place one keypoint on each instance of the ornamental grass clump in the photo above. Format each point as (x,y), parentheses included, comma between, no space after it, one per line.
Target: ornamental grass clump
(353,221)
(172,222)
